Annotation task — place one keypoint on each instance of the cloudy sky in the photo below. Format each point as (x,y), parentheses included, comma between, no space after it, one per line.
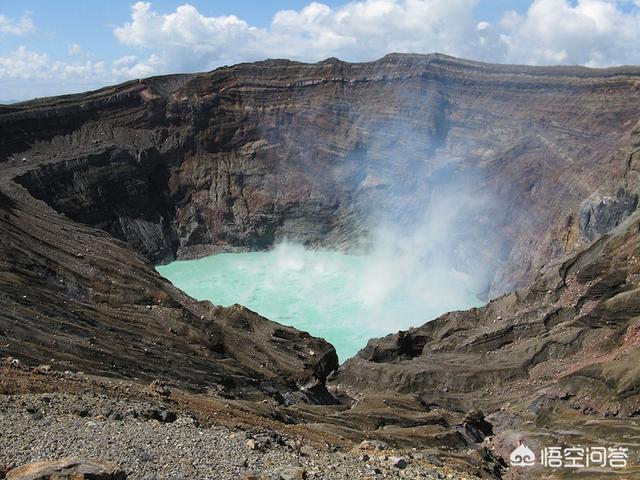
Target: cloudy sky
(49,48)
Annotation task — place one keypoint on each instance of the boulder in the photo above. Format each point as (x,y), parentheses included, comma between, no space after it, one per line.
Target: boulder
(70,468)
(398,462)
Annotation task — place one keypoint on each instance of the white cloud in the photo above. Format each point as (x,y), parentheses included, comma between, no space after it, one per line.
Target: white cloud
(365,30)
(130,66)
(589,32)
(187,40)
(595,33)
(25,73)
(26,64)
(585,32)
(23,26)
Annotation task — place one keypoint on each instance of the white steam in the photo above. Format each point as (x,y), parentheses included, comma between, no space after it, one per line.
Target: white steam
(420,263)
(412,273)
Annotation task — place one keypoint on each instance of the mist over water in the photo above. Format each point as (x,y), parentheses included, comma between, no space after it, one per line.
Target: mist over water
(345,298)
(418,220)
(428,251)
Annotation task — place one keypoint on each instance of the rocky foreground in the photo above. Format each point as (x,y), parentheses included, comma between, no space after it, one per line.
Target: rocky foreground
(116,429)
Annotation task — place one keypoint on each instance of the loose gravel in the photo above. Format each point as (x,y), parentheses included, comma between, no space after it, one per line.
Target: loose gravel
(150,442)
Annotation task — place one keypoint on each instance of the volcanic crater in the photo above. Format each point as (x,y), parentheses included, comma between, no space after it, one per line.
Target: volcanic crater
(98,188)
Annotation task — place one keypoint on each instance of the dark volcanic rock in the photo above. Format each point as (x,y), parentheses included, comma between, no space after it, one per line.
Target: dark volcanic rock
(600,214)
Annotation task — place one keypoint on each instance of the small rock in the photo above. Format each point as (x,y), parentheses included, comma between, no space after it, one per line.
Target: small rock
(82,412)
(264,441)
(37,416)
(162,416)
(293,445)
(168,416)
(115,416)
(293,473)
(433,460)
(14,362)
(372,445)
(251,444)
(160,388)
(307,451)
(398,462)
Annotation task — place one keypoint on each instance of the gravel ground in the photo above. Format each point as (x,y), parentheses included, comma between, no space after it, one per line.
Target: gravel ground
(148,441)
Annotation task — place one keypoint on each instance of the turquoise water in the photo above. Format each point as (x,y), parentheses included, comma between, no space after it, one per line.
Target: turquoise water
(345,299)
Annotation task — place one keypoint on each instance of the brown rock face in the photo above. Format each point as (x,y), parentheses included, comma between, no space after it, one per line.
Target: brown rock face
(72,468)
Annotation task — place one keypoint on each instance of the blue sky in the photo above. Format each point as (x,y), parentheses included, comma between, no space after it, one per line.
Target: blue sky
(58,47)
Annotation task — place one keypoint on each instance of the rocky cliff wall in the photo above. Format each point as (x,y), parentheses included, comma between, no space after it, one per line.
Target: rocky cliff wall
(243,156)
